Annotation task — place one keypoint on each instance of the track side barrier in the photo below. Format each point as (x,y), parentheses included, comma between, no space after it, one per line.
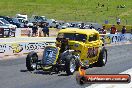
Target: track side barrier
(23,32)
(27,32)
(24,45)
(116,38)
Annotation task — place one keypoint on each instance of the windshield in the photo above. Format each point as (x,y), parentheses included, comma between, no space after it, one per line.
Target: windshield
(15,20)
(1,23)
(39,18)
(21,20)
(5,22)
(44,18)
(73,36)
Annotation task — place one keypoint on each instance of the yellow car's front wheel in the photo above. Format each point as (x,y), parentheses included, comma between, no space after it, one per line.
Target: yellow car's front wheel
(70,65)
(31,61)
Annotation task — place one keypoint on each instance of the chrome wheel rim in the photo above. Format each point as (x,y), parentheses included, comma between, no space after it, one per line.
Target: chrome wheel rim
(72,65)
(33,63)
(104,57)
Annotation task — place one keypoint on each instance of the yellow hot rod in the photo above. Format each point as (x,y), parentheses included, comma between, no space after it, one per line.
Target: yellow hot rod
(74,48)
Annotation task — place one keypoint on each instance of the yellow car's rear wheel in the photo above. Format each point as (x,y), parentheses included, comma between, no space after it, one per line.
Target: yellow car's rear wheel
(102,60)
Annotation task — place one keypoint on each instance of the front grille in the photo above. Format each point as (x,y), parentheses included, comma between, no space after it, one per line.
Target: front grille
(49,55)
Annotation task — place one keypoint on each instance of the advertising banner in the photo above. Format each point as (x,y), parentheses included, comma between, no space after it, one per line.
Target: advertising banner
(116,38)
(23,32)
(17,47)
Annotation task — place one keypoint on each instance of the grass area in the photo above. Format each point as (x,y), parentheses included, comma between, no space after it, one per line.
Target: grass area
(71,10)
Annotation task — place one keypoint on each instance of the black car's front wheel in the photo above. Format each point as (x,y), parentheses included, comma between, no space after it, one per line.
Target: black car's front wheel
(31,61)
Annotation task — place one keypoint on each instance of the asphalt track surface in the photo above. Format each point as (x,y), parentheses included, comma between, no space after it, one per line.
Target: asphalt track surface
(13,73)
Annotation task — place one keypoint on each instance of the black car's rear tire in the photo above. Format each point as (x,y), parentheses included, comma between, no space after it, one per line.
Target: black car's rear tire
(70,65)
(102,58)
(31,61)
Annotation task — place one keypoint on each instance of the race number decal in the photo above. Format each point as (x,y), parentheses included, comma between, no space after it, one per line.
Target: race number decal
(95,51)
(92,52)
(49,54)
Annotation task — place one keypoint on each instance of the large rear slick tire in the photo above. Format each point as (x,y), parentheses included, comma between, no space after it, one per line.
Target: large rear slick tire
(31,61)
(70,65)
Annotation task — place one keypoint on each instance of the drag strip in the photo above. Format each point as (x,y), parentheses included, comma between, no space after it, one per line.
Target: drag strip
(13,73)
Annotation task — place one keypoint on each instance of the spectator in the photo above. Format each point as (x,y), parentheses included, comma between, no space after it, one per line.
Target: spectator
(34,30)
(106,21)
(123,31)
(103,30)
(113,30)
(118,21)
(45,29)
(25,24)
(57,25)
(91,26)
